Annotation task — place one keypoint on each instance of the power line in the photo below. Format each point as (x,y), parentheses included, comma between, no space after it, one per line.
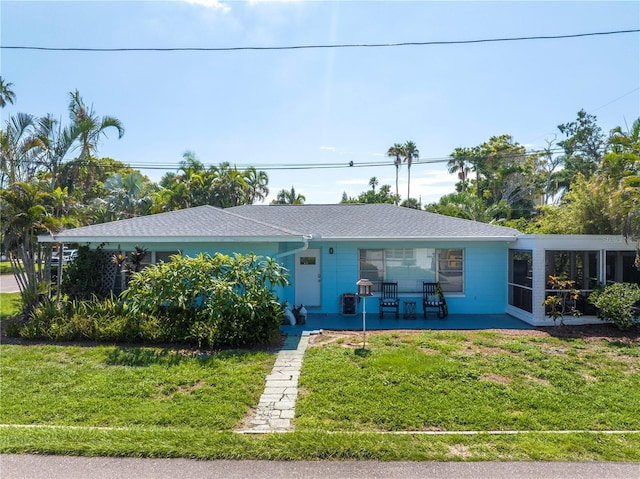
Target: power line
(310,47)
(321,166)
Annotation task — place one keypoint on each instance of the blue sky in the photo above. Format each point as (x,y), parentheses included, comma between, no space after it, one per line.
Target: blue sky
(323,106)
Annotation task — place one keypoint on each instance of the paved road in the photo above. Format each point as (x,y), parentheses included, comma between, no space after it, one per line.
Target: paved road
(59,467)
(8,284)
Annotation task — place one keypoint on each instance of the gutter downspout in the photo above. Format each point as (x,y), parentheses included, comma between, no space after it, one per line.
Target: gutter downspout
(304,247)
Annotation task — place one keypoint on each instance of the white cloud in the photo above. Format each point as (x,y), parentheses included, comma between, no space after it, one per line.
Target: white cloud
(215,4)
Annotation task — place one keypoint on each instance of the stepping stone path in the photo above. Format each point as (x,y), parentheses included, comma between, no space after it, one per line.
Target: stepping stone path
(277,404)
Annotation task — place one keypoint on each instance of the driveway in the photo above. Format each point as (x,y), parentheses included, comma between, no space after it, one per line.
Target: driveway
(8,284)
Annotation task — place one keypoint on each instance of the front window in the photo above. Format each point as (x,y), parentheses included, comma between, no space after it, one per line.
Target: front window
(410,267)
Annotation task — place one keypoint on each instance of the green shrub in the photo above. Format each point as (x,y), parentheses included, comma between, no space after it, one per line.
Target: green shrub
(82,279)
(616,302)
(94,319)
(215,300)
(563,300)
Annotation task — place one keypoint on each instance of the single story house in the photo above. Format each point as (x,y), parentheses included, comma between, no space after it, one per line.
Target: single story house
(483,268)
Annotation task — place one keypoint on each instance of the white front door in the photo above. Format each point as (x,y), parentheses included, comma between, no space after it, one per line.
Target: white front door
(307,278)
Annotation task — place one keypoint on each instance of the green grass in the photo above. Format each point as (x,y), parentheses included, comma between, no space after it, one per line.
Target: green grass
(115,386)
(154,402)
(10,305)
(471,381)
(5,267)
(205,444)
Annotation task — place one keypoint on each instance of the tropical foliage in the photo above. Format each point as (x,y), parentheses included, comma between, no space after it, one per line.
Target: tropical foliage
(51,177)
(212,300)
(7,95)
(584,183)
(289,197)
(405,152)
(26,212)
(222,186)
(383,195)
(618,303)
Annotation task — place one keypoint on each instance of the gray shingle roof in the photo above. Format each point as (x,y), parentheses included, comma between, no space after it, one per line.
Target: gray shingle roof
(199,222)
(288,223)
(374,221)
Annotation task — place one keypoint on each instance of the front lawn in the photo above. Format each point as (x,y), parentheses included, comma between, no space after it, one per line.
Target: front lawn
(457,381)
(10,305)
(165,402)
(111,386)
(5,267)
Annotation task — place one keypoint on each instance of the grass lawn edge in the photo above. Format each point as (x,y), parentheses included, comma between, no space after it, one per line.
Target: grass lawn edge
(207,445)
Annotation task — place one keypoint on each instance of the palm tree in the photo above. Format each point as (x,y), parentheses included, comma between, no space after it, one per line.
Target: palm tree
(257,182)
(17,145)
(289,198)
(26,213)
(89,126)
(127,196)
(626,142)
(229,186)
(55,142)
(395,152)
(459,164)
(6,93)
(409,153)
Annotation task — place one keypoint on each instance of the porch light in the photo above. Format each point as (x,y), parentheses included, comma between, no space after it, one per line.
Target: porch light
(364,290)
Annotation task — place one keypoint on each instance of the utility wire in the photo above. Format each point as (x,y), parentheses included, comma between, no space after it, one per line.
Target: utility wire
(322,166)
(310,47)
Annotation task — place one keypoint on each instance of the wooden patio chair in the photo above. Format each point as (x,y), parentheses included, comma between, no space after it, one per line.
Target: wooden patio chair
(389,298)
(433,297)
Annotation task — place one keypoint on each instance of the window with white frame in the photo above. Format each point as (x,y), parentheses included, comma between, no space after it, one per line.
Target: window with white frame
(410,267)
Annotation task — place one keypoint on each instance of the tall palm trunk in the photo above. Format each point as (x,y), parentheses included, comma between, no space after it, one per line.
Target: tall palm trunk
(397,194)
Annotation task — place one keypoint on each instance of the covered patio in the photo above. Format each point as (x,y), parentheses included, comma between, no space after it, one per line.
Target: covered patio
(340,322)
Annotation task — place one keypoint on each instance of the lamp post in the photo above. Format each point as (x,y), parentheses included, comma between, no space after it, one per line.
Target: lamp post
(364,290)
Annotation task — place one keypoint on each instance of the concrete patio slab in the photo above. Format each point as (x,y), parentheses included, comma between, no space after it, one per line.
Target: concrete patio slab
(337,322)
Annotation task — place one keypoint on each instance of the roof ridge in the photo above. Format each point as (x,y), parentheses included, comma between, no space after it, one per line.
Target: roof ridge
(262,223)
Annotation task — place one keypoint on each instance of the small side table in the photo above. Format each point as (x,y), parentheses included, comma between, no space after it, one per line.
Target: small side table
(409,309)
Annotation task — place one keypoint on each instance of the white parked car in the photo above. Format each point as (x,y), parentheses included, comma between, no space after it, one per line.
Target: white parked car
(68,256)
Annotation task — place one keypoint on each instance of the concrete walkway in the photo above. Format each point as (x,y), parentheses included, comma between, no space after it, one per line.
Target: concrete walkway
(277,404)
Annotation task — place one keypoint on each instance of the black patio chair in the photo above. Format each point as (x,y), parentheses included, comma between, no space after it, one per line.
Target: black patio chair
(389,298)
(433,297)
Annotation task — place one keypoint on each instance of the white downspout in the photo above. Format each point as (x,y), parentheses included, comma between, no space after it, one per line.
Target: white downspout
(304,247)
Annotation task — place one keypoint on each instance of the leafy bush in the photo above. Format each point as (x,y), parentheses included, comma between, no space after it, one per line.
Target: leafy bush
(215,301)
(82,278)
(616,303)
(563,300)
(212,300)
(95,319)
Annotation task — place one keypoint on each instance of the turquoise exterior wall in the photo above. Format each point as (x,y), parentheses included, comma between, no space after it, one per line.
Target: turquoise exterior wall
(485,275)
(485,270)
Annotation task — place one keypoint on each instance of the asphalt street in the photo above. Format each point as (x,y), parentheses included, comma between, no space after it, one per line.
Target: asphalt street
(65,467)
